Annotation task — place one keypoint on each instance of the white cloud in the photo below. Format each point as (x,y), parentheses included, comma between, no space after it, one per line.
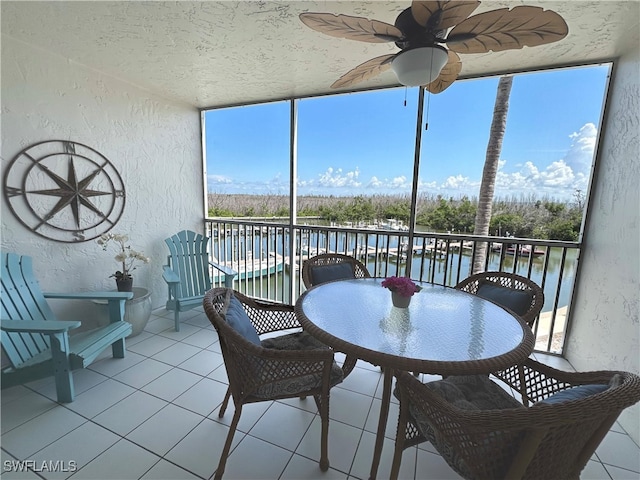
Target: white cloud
(399,182)
(424,186)
(560,178)
(527,170)
(557,178)
(374,183)
(336,178)
(387,185)
(459,182)
(580,154)
(221,179)
(558,174)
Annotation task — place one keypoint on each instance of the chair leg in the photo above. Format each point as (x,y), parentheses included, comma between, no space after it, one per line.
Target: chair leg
(323,407)
(401,435)
(176,319)
(118,348)
(382,421)
(225,402)
(227,444)
(397,456)
(62,368)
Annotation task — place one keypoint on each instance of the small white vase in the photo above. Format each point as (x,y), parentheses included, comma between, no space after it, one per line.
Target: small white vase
(399,301)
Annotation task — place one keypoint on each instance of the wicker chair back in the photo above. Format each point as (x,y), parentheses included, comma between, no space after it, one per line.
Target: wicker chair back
(511,281)
(359,269)
(536,440)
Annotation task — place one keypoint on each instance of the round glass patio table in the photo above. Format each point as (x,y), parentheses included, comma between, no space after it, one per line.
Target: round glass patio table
(443,331)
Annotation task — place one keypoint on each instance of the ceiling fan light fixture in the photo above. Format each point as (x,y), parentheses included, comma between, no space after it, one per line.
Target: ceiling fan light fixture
(419,66)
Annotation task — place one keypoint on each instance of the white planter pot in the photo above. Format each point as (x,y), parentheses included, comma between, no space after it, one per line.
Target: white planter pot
(137,311)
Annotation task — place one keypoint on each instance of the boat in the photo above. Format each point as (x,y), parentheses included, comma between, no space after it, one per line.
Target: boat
(311,252)
(394,224)
(252,267)
(521,250)
(496,247)
(524,251)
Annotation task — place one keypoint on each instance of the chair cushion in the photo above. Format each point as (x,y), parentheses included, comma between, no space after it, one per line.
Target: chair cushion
(238,319)
(581,391)
(473,392)
(327,273)
(293,341)
(575,393)
(299,384)
(518,301)
(468,392)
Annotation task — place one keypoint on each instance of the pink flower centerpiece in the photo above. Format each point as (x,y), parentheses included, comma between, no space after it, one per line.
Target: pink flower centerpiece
(402,289)
(403,286)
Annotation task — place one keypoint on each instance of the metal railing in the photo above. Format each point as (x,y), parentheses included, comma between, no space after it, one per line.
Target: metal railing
(268,258)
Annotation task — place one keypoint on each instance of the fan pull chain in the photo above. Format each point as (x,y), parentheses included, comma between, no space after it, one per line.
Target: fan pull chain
(426,124)
(405,96)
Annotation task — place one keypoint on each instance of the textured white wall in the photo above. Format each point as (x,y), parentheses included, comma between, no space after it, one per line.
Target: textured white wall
(605,332)
(154,144)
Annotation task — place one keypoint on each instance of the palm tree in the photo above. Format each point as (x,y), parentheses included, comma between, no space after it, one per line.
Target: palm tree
(487,187)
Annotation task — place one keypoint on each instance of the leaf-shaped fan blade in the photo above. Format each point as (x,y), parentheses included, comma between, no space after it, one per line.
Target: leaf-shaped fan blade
(364,71)
(506,29)
(447,76)
(353,28)
(452,12)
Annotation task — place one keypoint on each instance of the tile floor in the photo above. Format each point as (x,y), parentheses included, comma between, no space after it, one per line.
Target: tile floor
(153,415)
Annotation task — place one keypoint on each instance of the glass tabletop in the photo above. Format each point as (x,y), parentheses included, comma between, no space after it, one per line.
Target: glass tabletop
(440,326)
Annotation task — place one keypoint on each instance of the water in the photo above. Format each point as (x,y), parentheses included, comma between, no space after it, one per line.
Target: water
(550,273)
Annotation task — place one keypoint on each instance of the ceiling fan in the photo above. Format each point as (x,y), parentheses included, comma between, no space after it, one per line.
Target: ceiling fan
(431,34)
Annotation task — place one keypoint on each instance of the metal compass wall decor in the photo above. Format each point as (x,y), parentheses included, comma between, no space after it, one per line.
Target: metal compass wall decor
(64,191)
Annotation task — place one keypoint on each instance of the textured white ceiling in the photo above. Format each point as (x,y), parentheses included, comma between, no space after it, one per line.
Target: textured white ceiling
(215,53)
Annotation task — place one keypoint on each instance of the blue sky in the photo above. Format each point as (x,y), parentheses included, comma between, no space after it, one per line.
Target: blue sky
(363,144)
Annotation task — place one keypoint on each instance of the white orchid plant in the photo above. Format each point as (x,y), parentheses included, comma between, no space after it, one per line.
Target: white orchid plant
(125,254)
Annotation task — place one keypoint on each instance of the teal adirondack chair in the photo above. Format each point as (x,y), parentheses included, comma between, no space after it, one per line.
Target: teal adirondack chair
(37,344)
(187,272)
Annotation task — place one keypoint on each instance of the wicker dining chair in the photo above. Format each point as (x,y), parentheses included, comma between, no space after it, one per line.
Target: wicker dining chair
(483,432)
(519,294)
(332,266)
(286,366)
